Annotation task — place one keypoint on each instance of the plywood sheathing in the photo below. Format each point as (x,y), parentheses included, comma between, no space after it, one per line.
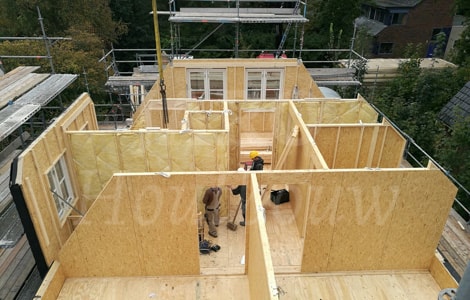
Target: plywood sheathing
(162,287)
(258,261)
(141,222)
(148,223)
(297,80)
(52,283)
(357,220)
(359,146)
(440,273)
(36,162)
(305,153)
(416,285)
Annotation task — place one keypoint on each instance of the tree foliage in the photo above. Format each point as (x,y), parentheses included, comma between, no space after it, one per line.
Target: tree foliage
(89,24)
(415,97)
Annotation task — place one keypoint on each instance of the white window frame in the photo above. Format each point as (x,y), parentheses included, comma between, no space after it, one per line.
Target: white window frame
(61,187)
(205,92)
(260,93)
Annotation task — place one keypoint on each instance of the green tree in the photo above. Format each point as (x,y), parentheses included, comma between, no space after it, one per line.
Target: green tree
(454,155)
(414,99)
(461,54)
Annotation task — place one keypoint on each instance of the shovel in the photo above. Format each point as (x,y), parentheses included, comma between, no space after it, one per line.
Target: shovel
(231,225)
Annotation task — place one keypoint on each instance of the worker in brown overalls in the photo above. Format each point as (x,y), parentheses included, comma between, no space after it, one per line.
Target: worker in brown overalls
(212,205)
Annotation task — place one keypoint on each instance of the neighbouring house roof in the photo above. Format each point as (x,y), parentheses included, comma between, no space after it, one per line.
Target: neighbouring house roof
(457,107)
(373,27)
(397,3)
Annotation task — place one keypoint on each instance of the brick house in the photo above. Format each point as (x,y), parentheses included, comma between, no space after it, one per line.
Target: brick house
(394,24)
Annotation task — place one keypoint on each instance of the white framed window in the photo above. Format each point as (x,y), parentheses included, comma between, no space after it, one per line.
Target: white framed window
(263,84)
(61,187)
(206,84)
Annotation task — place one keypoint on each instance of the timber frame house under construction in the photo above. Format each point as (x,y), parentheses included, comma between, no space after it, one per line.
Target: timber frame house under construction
(115,213)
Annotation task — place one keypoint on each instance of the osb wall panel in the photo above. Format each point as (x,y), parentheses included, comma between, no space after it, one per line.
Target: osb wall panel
(359,146)
(37,160)
(97,155)
(238,83)
(80,115)
(375,220)
(283,125)
(363,218)
(259,266)
(180,84)
(441,275)
(367,146)
(297,195)
(234,135)
(52,283)
(295,75)
(423,206)
(347,147)
(320,223)
(394,147)
(379,144)
(304,153)
(41,207)
(257,121)
(140,225)
(326,139)
(299,83)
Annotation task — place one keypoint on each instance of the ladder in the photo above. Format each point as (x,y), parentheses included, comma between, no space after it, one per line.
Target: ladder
(286,31)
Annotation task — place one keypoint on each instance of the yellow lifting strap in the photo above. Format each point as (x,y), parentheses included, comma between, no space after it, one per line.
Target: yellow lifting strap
(160,65)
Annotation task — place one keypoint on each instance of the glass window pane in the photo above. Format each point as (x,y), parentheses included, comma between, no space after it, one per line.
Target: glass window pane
(60,186)
(273,84)
(197,94)
(272,94)
(60,173)
(216,84)
(254,94)
(197,80)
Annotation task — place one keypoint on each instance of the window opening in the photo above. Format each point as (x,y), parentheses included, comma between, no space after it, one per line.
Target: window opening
(207,84)
(61,187)
(263,84)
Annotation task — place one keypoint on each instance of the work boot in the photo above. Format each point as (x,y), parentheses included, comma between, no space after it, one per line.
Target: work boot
(213,234)
(242,223)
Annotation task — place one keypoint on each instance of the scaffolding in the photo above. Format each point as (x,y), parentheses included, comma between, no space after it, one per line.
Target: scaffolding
(237,12)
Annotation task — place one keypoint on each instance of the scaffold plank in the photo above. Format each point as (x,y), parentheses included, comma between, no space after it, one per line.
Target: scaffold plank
(20,86)
(15,74)
(14,115)
(47,90)
(234,15)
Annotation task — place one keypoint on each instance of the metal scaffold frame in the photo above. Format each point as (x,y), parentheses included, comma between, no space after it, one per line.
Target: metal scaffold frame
(236,12)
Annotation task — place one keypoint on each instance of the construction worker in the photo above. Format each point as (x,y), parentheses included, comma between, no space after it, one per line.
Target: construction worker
(257,161)
(241,190)
(212,204)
